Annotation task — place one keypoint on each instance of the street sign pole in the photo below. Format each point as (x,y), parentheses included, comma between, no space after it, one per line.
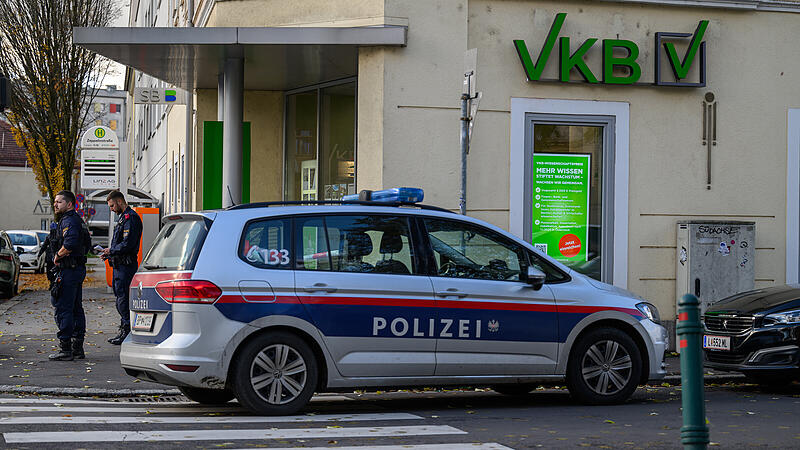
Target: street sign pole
(469,107)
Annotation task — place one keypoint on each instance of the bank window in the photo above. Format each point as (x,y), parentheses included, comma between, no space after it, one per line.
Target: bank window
(321,143)
(266,244)
(370,244)
(464,251)
(566,202)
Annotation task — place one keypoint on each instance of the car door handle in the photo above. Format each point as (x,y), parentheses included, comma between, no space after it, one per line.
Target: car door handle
(319,287)
(451,292)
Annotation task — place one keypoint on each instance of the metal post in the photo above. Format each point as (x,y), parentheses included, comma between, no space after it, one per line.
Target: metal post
(221,98)
(694,432)
(232,132)
(188,151)
(462,203)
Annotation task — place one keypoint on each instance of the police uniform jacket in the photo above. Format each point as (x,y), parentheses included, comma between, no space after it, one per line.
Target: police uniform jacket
(71,236)
(125,242)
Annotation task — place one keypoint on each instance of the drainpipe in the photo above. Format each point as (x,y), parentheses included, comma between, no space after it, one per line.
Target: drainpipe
(188,180)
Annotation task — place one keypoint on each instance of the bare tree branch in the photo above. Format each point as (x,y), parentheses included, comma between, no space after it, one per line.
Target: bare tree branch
(54,80)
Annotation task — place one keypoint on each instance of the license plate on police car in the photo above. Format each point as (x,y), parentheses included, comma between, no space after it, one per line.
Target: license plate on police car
(717,342)
(143,321)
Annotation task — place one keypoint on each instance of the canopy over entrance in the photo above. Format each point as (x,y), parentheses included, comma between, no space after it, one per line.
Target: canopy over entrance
(236,59)
(281,58)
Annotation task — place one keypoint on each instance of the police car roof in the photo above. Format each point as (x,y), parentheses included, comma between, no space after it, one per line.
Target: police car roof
(336,202)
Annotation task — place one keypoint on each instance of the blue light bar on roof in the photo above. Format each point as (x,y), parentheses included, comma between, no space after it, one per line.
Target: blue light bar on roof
(394,195)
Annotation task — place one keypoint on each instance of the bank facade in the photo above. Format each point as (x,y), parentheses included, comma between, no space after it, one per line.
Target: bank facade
(658,112)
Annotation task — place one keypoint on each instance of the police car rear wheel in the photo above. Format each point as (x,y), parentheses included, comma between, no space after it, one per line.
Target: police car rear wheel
(207,396)
(276,374)
(604,367)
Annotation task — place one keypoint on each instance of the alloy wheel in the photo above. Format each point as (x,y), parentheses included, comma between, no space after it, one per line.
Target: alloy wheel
(606,367)
(278,374)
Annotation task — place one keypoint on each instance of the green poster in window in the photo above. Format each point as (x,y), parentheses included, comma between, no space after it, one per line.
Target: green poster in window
(560,205)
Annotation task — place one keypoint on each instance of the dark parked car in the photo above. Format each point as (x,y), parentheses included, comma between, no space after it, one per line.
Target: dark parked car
(9,267)
(756,333)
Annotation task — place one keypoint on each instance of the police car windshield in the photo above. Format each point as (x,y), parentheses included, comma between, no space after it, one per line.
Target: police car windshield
(177,245)
(22,239)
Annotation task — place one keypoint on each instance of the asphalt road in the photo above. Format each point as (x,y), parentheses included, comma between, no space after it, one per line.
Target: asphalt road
(739,415)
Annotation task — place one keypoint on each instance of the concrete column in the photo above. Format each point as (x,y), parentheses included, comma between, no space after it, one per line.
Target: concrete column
(221,97)
(232,132)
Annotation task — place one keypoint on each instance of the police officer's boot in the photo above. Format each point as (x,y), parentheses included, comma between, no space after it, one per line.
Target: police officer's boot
(65,354)
(77,349)
(123,333)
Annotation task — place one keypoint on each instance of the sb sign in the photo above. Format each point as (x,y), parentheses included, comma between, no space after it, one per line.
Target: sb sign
(158,96)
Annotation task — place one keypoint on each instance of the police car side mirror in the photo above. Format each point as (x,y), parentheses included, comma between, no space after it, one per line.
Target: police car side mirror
(535,277)
(20,250)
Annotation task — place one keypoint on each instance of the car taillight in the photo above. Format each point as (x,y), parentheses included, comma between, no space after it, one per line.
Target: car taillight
(6,257)
(188,291)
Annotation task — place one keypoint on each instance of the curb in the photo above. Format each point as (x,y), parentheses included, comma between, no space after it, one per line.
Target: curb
(97,392)
(720,378)
(85,392)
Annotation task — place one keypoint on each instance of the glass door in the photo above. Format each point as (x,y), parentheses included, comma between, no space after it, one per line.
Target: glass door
(320,142)
(568,212)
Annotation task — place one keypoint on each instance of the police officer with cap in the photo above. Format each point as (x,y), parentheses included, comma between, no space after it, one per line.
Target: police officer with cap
(123,257)
(73,243)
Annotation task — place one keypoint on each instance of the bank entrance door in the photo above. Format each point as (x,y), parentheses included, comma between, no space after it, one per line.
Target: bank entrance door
(569,164)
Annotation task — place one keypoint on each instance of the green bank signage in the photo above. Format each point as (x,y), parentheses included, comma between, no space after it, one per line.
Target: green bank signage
(619,58)
(560,219)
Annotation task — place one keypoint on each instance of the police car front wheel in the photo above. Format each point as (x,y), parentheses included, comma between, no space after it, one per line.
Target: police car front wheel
(275,374)
(604,367)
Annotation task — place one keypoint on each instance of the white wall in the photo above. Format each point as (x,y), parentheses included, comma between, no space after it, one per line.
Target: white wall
(18,200)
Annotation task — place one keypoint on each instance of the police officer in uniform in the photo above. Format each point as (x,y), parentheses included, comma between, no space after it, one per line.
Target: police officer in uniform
(123,257)
(73,242)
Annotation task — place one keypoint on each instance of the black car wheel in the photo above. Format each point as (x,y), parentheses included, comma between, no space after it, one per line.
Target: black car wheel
(207,396)
(275,374)
(604,367)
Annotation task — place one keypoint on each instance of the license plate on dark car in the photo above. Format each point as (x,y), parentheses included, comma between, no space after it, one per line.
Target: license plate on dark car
(717,342)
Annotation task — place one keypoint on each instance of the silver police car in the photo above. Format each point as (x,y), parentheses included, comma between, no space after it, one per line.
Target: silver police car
(271,302)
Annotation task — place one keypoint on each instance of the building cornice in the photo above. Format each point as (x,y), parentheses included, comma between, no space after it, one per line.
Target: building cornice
(751,5)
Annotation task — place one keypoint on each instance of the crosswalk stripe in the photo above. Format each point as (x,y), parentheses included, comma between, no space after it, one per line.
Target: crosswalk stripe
(453,446)
(34,401)
(65,401)
(209,435)
(206,419)
(101,409)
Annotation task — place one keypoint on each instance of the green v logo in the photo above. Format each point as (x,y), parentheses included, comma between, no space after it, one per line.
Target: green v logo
(534,71)
(681,68)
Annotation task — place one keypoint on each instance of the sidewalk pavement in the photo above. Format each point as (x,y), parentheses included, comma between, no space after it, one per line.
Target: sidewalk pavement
(27,336)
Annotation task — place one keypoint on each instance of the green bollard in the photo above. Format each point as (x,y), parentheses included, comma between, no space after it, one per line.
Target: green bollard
(694,432)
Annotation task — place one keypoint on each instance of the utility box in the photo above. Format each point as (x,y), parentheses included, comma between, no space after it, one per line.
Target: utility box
(715,260)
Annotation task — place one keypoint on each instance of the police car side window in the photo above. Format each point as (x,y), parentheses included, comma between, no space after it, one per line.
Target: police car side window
(312,244)
(553,274)
(370,244)
(462,250)
(266,244)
